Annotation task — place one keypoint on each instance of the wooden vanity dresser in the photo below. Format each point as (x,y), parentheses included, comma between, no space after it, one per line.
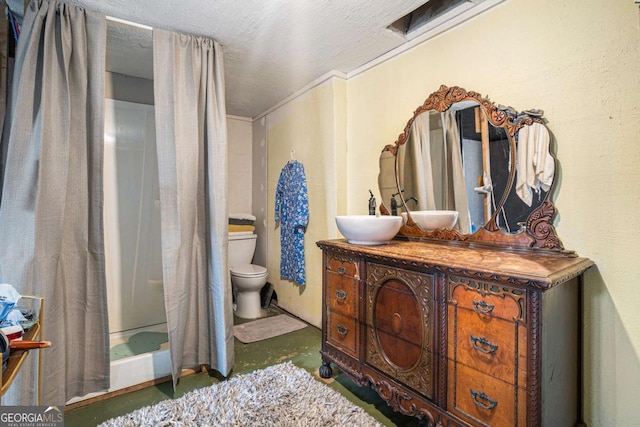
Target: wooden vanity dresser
(457,335)
(473,322)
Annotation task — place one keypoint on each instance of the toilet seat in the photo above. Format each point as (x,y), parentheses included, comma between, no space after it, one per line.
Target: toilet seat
(248,270)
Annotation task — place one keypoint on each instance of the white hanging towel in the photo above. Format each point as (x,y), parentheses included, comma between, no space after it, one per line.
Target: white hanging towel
(535,166)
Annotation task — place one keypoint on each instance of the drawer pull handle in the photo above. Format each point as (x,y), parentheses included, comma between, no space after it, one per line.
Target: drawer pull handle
(341,295)
(483,345)
(342,330)
(483,307)
(482,400)
(342,270)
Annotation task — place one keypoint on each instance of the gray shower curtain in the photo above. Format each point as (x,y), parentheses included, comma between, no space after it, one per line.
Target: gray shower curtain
(191,138)
(51,209)
(457,191)
(419,144)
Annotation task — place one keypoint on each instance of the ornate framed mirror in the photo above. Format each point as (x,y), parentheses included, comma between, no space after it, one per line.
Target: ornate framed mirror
(485,168)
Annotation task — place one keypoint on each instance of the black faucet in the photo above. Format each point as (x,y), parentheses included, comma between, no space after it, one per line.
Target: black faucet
(394,202)
(372,204)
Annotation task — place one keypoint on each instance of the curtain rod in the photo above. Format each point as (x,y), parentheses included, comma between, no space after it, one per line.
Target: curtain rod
(133,24)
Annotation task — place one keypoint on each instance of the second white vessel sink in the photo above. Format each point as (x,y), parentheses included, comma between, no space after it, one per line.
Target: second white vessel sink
(432,220)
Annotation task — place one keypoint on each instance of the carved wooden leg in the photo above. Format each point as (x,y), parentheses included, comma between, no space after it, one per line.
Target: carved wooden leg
(325,370)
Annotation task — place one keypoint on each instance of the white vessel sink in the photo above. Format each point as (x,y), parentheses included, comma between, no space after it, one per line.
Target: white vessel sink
(368,229)
(432,220)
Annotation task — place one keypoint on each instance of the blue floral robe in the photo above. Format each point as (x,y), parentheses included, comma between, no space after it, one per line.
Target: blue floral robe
(292,211)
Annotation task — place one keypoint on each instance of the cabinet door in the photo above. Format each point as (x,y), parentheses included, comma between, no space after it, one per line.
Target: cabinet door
(399,322)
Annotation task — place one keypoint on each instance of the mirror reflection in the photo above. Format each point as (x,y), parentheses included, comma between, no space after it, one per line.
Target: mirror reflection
(387,183)
(451,161)
(534,175)
(490,164)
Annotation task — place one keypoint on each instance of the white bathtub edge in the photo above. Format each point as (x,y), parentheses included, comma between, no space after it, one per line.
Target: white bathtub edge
(134,370)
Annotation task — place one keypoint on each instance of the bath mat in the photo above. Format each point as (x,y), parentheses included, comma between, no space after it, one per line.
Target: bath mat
(281,395)
(269,327)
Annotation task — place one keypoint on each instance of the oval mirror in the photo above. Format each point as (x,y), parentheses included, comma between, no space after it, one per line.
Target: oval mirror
(465,169)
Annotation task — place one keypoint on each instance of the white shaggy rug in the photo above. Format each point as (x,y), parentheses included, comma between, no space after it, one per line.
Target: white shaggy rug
(280,395)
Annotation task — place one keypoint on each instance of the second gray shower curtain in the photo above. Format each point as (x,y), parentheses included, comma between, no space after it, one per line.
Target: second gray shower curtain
(192,165)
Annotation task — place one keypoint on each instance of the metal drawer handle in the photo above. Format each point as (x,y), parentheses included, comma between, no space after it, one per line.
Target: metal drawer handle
(482,400)
(342,330)
(483,307)
(342,270)
(341,295)
(483,345)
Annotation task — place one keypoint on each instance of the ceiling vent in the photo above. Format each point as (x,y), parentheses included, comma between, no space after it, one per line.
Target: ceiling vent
(432,14)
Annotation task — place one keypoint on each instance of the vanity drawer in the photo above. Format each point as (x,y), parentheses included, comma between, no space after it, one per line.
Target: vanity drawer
(343,332)
(483,400)
(487,299)
(342,293)
(490,345)
(342,266)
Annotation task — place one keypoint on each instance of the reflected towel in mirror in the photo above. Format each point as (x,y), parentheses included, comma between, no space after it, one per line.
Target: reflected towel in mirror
(535,167)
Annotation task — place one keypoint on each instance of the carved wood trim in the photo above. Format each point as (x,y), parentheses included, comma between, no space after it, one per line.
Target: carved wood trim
(515,280)
(410,228)
(534,386)
(347,364)
(540,228)
(442,99)
(442,339)
(400,400)
(398,397)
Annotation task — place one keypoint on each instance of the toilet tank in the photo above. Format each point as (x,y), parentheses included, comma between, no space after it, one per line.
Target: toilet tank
(241,248)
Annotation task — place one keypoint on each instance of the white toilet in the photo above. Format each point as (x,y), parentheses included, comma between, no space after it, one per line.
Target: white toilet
(247,279)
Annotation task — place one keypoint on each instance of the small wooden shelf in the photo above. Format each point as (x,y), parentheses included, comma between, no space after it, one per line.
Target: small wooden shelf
(16,359)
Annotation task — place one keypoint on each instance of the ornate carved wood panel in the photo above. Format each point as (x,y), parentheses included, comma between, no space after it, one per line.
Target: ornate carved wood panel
(399,305)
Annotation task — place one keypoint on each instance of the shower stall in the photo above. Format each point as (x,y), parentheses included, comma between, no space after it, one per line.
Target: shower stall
(56,158)
(133,257)
(139,344)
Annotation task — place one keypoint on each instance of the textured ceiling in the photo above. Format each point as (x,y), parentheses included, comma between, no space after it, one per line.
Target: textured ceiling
(272,48)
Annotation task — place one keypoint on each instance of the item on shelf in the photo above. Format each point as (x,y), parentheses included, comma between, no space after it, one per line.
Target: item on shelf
(8,298)
(28,345)
(13,332)
(4,348)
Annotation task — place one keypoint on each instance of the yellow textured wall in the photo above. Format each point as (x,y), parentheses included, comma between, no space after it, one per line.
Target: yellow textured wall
(579,61)
(314,127)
